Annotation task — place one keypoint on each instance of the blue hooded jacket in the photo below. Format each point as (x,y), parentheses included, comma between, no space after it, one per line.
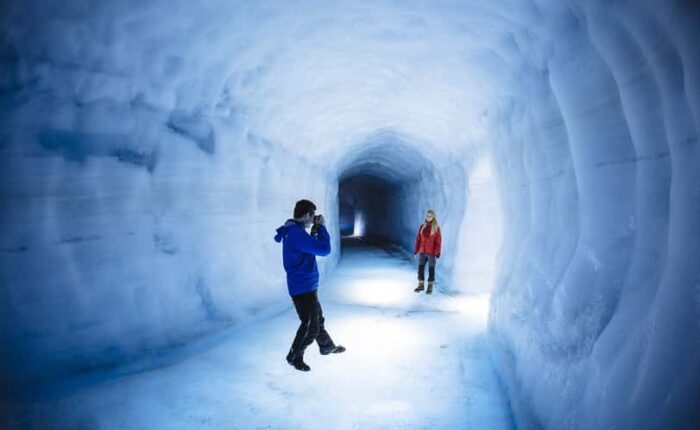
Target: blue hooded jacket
(299,251)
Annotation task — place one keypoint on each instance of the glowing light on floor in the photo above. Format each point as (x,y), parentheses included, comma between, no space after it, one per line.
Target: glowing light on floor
(378,291)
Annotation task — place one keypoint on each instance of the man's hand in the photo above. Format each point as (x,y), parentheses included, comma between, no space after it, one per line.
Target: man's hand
(321,220)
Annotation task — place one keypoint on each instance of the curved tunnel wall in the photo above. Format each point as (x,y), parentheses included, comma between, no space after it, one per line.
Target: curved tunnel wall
(597,185)
(143,159)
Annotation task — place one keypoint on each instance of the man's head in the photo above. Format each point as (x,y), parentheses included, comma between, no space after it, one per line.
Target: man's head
(304,211)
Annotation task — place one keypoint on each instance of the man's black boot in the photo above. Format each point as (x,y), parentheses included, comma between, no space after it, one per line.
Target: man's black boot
(333,350)
(300,365)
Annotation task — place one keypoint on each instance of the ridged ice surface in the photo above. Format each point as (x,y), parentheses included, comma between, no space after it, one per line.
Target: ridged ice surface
(150,148)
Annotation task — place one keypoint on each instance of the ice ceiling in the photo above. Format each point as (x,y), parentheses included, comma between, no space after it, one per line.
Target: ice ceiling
(151,147)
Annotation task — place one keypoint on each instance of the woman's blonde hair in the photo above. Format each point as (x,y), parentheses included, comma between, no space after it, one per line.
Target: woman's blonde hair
(434,227)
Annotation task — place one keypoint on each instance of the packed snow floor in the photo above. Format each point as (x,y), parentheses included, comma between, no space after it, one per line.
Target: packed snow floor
(413,361)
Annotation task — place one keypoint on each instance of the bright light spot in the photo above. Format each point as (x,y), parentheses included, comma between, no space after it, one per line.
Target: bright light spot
(380,291)
(359,229)
(375,336)
(474,306)
(384,291)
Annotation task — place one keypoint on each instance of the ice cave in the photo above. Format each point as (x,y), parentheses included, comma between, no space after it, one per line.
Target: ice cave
(151,148)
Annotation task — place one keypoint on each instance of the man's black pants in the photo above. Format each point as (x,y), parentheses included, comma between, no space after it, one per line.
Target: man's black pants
(311,327)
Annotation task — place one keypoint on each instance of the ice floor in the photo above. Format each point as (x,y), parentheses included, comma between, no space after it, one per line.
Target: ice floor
(412,361)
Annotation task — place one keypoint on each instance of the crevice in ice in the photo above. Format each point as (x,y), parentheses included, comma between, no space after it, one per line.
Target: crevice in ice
(211,309)
(165,242)
(79,146)
(195,128)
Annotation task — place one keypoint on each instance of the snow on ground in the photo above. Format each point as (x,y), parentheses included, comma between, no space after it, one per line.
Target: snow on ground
(412,361)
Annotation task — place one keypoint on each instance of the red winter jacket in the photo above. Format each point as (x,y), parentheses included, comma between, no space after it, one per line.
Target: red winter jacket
(427,243)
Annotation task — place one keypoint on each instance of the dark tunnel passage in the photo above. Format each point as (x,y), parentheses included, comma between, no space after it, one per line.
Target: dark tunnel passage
(364,208)
(386,183)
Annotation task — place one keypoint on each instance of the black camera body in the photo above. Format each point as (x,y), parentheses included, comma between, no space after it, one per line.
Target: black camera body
(314,228)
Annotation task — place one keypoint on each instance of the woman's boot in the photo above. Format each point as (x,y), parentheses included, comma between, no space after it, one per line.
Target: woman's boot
(420,287)
(431,279)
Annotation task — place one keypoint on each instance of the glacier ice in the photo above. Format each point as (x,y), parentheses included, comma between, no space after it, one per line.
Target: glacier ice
(150,148)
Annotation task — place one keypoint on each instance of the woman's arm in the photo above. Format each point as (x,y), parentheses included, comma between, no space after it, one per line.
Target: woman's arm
(416,247)
(438,242)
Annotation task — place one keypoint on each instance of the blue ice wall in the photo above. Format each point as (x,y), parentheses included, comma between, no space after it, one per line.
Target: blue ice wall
(595,309)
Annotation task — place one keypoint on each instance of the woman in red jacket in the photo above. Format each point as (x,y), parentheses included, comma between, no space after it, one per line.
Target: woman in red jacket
(428,242)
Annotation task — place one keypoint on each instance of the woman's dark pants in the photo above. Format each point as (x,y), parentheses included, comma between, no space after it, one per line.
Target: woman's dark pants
(430,259)
(311,327)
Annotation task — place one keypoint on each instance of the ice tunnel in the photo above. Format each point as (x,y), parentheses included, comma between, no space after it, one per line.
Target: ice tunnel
(150,148)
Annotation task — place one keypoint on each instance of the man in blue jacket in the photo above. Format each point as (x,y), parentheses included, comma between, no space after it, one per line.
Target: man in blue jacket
(299,251)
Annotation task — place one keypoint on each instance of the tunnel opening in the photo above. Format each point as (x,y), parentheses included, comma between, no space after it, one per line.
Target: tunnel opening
(382,191)
(364,207)
(386,182)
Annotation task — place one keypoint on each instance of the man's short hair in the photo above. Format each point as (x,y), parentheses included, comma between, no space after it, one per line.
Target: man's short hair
(303,207)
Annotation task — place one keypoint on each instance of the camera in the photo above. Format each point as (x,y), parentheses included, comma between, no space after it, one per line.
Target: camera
(314,228)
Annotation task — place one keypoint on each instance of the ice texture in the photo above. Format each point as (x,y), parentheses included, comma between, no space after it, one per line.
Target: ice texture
(434,373)
(149,149)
